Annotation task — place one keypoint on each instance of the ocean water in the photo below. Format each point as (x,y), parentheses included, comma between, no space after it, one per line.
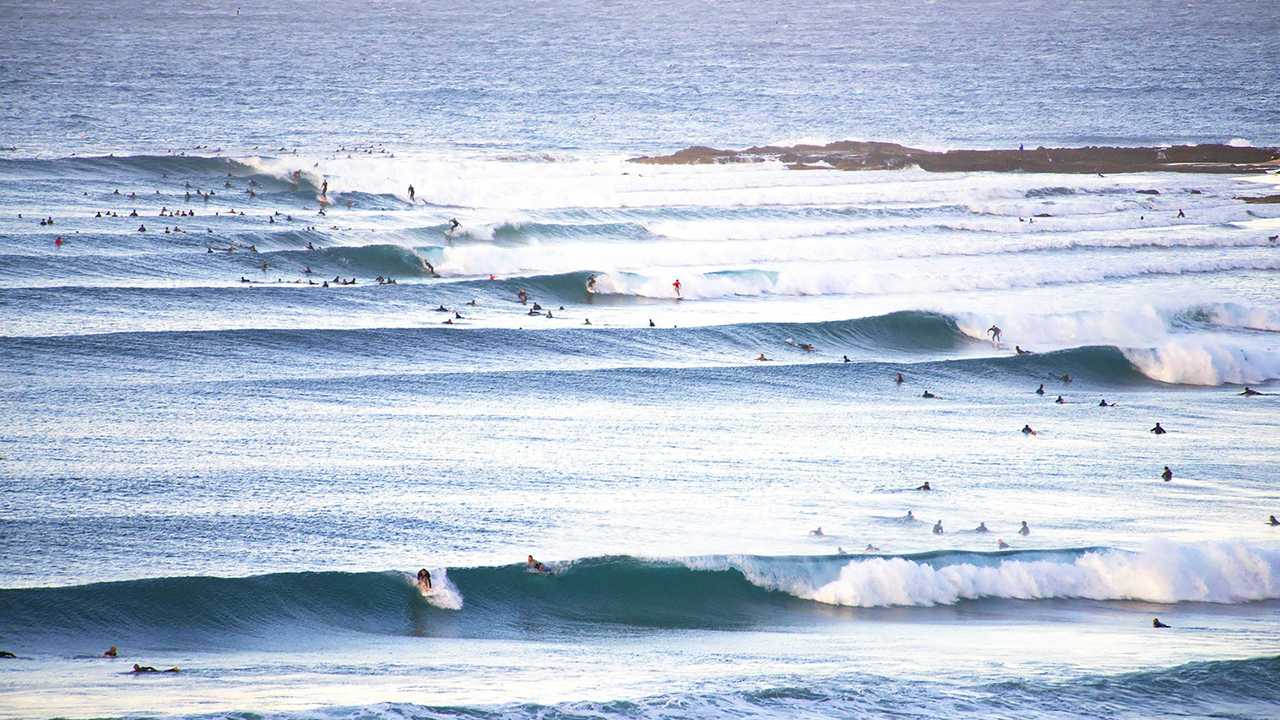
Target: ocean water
(210,460)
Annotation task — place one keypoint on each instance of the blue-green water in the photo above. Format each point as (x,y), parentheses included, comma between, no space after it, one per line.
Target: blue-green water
(211,459)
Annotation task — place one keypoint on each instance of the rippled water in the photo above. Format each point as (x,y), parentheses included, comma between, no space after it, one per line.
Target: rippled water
(211,460)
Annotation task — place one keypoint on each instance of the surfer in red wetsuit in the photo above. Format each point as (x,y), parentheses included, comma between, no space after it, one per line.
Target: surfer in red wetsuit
(676,285)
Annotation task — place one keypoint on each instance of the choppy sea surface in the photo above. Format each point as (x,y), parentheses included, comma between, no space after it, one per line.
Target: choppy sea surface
(215,455)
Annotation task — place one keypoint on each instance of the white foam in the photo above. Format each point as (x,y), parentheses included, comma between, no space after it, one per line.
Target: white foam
(1162,572)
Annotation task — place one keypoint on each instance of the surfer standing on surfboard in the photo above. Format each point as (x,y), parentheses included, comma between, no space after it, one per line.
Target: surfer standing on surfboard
(994,332)
(676,285)
(424,580)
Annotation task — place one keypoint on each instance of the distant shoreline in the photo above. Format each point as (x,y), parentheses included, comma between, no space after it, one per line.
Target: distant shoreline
(857,155)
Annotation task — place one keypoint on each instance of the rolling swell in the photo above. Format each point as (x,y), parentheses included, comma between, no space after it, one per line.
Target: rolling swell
(1198,689)
(112,167)
(725,592)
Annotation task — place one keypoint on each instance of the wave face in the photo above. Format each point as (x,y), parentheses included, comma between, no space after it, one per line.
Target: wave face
(717,592)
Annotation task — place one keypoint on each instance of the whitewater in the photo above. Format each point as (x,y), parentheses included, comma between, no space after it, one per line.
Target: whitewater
(658,432)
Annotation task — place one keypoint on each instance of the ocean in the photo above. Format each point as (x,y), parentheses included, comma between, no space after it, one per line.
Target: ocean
(218,454)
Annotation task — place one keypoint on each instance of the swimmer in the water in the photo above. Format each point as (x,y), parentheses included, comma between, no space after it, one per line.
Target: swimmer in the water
(925,486)
(982,528)
(846,359)
(937,528)
(1001,544)
(909,517)
(1167,475)
(1024,530)
(1026,430)
(1040,390)
(424,580)
(1158,430)
(148,669)
(817,532)
(1060,401)
(899,379)
(1155,622)
(928,395)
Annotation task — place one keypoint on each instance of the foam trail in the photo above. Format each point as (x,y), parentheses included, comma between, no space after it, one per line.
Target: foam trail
(1163,572)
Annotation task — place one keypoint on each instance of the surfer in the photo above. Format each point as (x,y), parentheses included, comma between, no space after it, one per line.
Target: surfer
(676,285)
(982,528)
(1272,521)
(871,548)
(535,565)
(762,358)
(7,655)
(591,284)
(1024,530)
(995,333)
(522,296)
(1018,349)
(1001,544)
(846,359)
(1157,430)
(652,325)
(817,532)
(928,395)
(454,225)
(898,379)
(111,652)
(1249,392)
(1066,378)
(925,486)
(1103,403)
(148,669)
(411,193)
(1060,401)
(1167,475)
(909,517)
(424,580)
(1026,430)
(324,189)
(937,528)
(1040,390)
(1155,622)
(1181,214)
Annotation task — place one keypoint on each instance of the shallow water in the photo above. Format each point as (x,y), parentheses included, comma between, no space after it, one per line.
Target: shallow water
(241,477)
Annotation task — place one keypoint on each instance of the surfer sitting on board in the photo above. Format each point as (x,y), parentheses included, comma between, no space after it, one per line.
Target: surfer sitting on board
(424,580)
